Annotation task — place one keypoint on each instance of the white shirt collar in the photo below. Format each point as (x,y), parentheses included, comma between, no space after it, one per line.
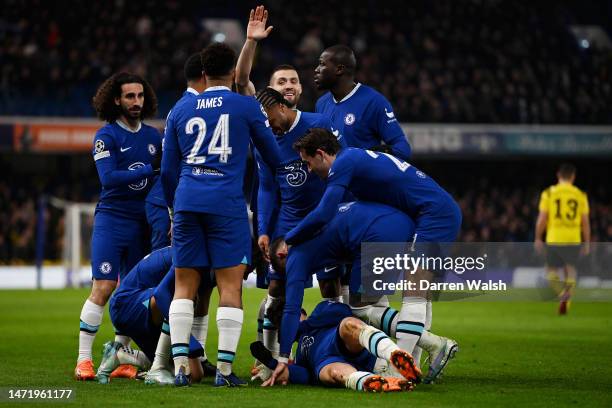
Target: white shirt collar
(295,122)
(217,88)
(126,127)
(193,91)
(349,94)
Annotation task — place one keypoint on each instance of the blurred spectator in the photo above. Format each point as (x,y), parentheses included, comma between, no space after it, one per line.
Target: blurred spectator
(486,61)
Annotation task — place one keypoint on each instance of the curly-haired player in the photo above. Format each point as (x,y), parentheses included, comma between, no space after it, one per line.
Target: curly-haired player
(127,156)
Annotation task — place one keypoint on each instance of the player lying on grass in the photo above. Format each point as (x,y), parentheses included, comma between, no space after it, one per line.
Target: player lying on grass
(382,178)
(140,308)
(335,349)
(340,240)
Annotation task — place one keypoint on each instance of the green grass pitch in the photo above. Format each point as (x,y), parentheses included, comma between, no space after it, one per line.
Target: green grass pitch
(511,354)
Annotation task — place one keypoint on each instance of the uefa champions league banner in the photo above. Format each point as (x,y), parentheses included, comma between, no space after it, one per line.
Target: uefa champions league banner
(462,140)
(485,271)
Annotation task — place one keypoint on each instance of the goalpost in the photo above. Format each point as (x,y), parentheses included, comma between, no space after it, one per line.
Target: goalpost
(78,226)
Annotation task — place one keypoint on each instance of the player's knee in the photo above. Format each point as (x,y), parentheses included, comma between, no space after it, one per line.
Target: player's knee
(350,326)
(230,297)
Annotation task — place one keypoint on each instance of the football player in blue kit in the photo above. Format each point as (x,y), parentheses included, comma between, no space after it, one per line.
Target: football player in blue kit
(284,79)
(127,155)
(337,350)
(155,204)
(288,193)
(383,178)
(139,308)
(340,241)
(205,150)
(363,116)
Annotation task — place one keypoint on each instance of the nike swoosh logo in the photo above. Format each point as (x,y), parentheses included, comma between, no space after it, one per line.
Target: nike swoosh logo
(389,114)
(326,269)
(125,150)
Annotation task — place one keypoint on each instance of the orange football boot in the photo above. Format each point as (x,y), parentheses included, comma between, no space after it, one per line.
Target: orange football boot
(124,371)
(85,371)
(404,363)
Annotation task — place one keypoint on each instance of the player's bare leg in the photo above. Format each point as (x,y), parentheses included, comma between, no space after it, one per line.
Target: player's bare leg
(345,375)
(187,281)
(552,275)
(331,290)
(199,330)
(229,322)
(91,318)
(567,288)
(356,335)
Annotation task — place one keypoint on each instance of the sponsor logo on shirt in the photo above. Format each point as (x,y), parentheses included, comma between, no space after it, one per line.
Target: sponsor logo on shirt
(142,183)
(205,171)
(297,175)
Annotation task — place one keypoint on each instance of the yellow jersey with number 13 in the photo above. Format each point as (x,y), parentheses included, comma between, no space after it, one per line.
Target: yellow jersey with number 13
(565,205)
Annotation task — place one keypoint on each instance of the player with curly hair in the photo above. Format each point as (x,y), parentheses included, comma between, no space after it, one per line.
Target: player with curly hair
(127,156)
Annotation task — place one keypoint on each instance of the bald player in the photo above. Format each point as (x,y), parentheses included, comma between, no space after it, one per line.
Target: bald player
(361,114)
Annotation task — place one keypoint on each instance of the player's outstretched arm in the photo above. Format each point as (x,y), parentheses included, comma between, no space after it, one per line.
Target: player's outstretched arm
(320,216)
(256,30)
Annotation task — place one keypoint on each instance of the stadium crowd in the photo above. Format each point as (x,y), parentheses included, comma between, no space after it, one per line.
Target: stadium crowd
(463,61)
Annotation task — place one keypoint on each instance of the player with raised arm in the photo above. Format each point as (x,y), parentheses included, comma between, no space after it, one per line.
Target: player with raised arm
(288,193)
(383,178)
(205,150)
(337,350)
(285,80)
(360,113)
(339,241)
(127,156)
(155,205)
(564,215)
(139,307)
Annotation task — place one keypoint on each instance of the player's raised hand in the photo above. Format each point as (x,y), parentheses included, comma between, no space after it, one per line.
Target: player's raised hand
(256,29)
(279,376)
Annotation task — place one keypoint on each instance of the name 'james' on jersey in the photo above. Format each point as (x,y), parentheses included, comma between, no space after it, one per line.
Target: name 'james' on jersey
(208,138)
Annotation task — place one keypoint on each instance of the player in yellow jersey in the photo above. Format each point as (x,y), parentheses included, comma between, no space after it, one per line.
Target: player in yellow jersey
(564,215)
